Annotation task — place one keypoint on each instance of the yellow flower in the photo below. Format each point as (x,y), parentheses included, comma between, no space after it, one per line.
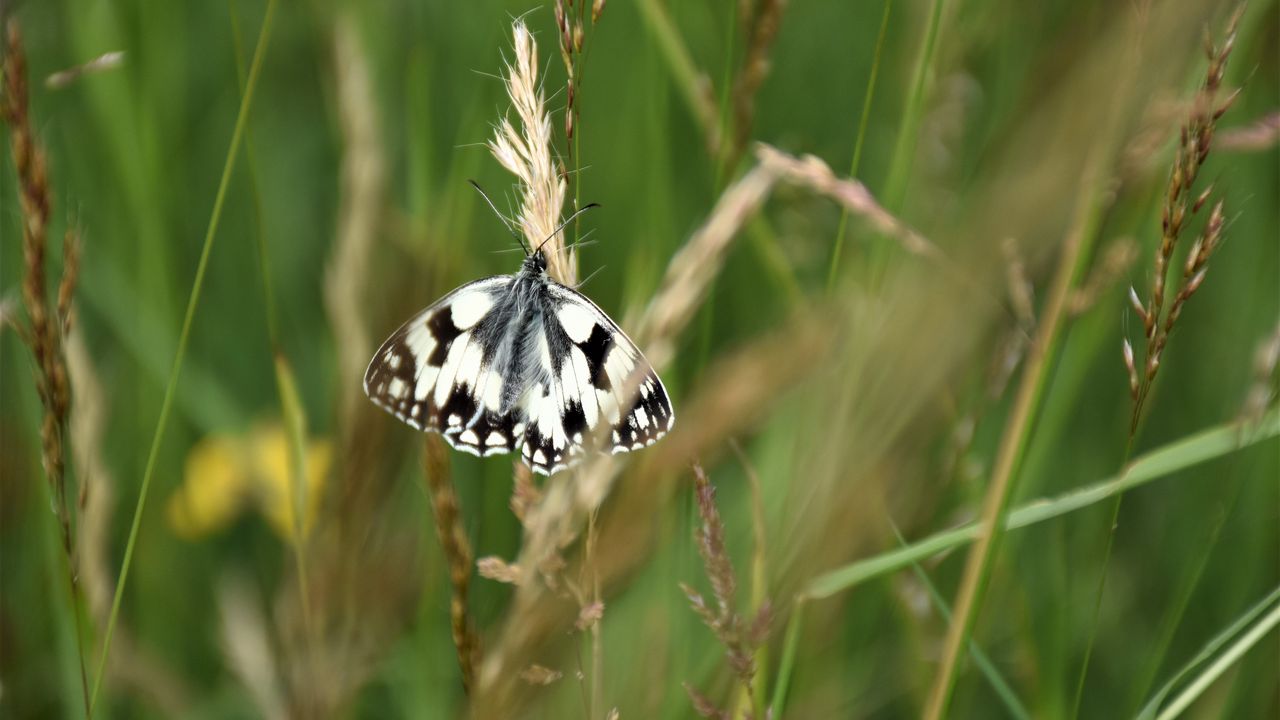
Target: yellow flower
(223,471)
(274,488)
(213,491)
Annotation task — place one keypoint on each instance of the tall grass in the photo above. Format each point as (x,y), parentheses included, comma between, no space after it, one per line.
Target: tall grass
(904,428)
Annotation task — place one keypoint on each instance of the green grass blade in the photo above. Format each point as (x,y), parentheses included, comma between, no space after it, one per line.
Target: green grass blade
(1180,455)
(683,70)
(858,142)
(1211,673)
(905,149)
(192,303)
(787,665)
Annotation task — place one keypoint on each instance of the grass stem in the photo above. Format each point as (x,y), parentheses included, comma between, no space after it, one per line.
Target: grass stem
(1017,433)
(192,302)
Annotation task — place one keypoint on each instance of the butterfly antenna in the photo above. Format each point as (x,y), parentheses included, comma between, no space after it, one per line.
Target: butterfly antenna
(511,229)
(572,217)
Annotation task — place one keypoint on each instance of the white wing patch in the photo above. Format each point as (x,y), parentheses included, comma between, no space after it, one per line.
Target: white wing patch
(576,320)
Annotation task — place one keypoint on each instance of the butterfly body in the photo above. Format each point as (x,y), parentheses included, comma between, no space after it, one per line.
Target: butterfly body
(520,362)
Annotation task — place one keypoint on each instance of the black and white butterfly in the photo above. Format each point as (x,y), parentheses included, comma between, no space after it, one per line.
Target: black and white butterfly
(520,361)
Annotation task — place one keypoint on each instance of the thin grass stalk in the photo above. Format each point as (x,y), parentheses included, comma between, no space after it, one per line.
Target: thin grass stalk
(573,44)
(760,35)
(291,409)
(597,641)
(255,69)
(863,121)
(1112,522)
(1182,598)
(786,666)
(694,86)
(457,554)
(726,82)
(46,332)
(255,193)
(759,574)
(999,685)
(1018,432)
(574,48)
(1192,150)
(904,149)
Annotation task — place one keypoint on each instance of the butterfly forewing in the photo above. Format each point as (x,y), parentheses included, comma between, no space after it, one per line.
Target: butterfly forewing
(432,374)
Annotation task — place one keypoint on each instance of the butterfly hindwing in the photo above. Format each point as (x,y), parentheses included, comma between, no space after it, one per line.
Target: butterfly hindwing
(432,373)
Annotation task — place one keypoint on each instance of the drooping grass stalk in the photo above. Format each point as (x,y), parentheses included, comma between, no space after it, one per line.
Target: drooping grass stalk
(193,301)
(1209,444)
(858,141)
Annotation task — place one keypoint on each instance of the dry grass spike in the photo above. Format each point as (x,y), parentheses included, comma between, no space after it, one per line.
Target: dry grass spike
(527,154)
(1195,138)
(46,327)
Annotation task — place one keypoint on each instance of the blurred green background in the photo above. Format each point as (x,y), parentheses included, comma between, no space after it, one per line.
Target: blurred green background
(370,117)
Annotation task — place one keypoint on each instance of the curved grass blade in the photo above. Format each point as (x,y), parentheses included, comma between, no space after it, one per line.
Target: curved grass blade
(1180,455)
(1211,673)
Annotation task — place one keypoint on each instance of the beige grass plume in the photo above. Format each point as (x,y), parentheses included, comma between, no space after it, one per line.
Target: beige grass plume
(526,152)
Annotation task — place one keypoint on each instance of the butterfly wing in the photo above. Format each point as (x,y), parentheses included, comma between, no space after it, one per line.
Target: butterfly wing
(432,372)
(588,364)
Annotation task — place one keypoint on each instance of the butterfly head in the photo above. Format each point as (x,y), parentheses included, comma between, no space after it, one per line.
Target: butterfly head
(536,262)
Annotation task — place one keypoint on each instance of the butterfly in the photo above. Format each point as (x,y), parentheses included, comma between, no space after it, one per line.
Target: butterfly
(521,361)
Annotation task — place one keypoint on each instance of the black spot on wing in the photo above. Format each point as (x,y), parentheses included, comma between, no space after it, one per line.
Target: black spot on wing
(444,331)
(574,419)
(460,404)
(596,348)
